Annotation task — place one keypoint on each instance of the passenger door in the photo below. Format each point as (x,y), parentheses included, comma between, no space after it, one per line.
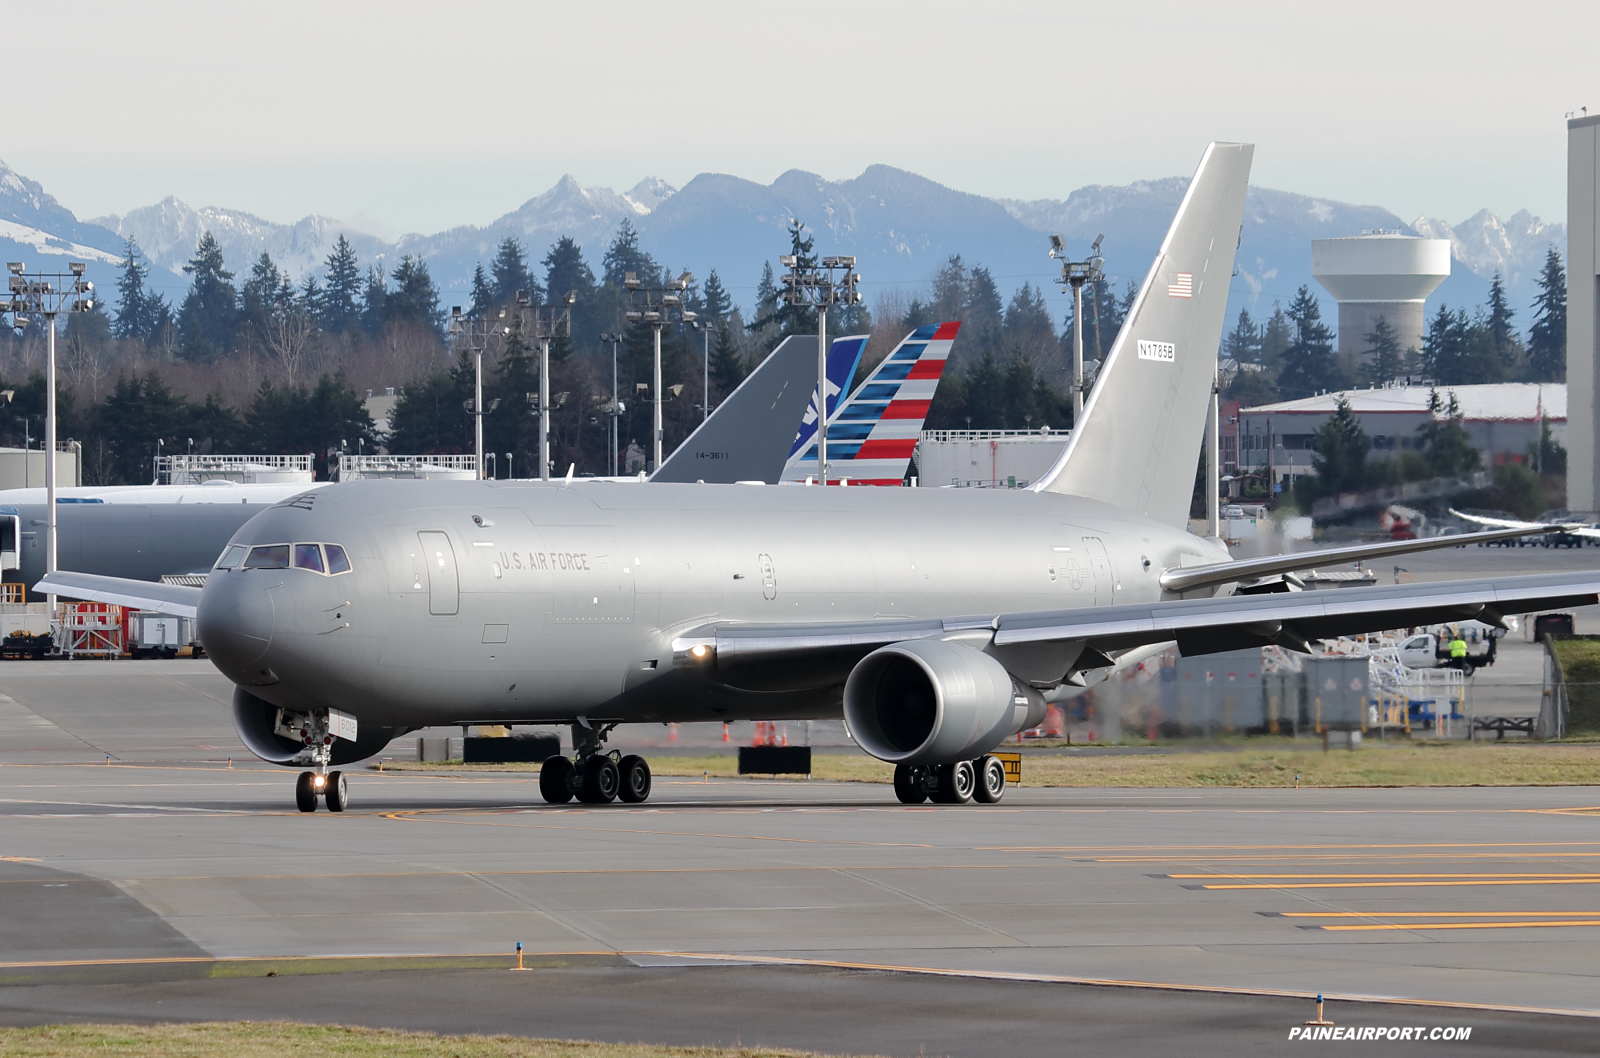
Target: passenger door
(444,582)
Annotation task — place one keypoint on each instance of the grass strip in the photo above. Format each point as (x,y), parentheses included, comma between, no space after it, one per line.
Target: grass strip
(1271,763)
(277,1039)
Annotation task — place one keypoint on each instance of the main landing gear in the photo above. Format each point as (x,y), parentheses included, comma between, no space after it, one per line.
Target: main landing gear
(593,776)
(982,780)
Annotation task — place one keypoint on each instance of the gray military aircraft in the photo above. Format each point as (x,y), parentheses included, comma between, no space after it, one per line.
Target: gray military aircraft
(931,619)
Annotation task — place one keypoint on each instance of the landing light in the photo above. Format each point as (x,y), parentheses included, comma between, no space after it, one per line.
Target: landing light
(319,780)
(699,650)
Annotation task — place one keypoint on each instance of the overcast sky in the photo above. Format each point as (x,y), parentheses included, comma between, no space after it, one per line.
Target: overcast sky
(402,116)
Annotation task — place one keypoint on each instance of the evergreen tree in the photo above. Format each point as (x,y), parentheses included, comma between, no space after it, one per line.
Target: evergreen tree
(310,297)
(511,274)
(983,314)
(414,299)
(1547,338)
(1308,363)
(565,269)
(716,301)
(1447,446)
(1276,337)
(1027,320)
(260,298)
(727,366)
(1502,339)
(139,411)
(624,256)
(1340,448)
(374,302)
(209,312)
(338,310)
(1243,343)
(482,294)
(1459,351)
(429,416)
(134,309)
(1385,361)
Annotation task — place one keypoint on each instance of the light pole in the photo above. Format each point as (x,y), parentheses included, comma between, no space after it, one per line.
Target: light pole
(616,405)
(47,294)
(657,306)
(533,320)
(705,326)
(816,283)
(475,332)
(511,474)
(1077,273)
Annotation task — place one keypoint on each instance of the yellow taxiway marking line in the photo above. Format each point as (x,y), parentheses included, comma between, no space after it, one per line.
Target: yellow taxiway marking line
(1590,880)
(20,859)
(1386,877)
(933,971)
(1367,926)
(1289,848)
(1437,914)
(1433,857)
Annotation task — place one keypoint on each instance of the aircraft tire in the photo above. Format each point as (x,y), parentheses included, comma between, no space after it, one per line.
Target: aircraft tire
(908,785)
(555,780)
(305,794)
(337,793)
(955,783)
(600,781)
(634,772)
(991,780)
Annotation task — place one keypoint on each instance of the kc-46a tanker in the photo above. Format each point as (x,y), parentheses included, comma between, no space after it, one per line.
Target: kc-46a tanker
(934,620)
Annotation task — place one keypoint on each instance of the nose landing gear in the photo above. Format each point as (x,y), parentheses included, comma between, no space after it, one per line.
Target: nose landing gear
(593,776)
(317,732)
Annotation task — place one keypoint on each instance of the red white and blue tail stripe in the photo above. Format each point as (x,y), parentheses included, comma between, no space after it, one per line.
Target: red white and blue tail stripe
(871,437)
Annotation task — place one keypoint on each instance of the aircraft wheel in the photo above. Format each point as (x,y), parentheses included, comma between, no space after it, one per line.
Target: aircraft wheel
(991,779)
(555,780)
(600,781)
(305,794)
(337,792)
(908,786)
(955,783)
(635,779)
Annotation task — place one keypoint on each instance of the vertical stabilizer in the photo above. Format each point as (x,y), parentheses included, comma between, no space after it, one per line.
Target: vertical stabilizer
(844,356)
(1139,442)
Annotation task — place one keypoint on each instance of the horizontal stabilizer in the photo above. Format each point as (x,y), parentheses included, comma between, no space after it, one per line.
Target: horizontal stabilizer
(178,599)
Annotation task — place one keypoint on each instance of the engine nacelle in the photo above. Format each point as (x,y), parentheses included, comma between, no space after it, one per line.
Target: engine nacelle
(927,701)
(256,720)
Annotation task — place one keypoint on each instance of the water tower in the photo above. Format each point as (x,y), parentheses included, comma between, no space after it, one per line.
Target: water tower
(1380,274)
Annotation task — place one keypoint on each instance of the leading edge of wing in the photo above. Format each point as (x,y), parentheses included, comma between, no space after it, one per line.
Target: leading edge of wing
(178,599)
(1199,626)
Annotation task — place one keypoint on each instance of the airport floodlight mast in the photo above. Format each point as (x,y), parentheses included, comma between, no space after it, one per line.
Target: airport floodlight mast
(657,307)
(615,408)
(543,325)
(476,331)
(47,294)
(830,281)
(1075,274)
(705,327)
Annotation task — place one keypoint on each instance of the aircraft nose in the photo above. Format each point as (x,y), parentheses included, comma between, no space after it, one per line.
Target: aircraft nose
(235,622)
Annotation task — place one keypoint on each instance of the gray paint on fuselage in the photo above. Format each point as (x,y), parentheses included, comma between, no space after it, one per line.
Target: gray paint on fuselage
(592,582)
(136,541)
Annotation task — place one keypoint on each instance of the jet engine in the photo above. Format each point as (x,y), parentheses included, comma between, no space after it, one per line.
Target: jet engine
(257,722)
(929,701)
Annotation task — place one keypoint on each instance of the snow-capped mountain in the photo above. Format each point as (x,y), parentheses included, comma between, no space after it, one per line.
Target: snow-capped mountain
(168,232)
(1486,244)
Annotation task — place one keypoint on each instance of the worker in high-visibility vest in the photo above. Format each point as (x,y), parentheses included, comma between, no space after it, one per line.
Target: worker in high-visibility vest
(1458,652)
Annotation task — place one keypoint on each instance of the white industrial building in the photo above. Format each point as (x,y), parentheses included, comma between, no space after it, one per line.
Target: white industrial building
(1380,274)
(24,468)
(1583,277)
(991,459)
(1503,420)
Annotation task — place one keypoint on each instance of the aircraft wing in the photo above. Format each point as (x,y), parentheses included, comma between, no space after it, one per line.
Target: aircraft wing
(1199,626)
(178,599)
(1189,578)
(1576,528)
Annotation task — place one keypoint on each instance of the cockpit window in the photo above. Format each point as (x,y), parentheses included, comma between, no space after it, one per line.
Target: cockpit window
(308,556)
(337,562)
(269,556)
(232,555)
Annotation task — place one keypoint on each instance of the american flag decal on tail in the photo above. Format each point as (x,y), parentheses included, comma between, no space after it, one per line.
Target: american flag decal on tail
(1182,286)
(872,435)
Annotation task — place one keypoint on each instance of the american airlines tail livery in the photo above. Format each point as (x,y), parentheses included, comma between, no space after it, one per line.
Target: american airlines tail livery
(933,620)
